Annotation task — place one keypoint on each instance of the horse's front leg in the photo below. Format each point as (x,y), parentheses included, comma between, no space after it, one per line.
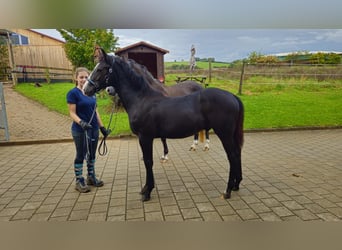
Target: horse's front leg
(164,158)
(146,145)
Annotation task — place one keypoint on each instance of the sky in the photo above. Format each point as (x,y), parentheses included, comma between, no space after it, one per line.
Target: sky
(225,30)
(227,45)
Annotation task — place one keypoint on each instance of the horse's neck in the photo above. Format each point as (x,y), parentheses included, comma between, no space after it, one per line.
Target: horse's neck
(159,87)
(132,91)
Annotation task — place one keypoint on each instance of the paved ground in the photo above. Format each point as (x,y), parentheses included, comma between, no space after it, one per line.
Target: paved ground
(29,121)
(288,176)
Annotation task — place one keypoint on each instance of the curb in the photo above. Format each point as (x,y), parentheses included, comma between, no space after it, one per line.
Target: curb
(50,141)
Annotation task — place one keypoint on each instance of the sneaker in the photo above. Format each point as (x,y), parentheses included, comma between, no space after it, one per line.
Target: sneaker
(81,186)
(93,181)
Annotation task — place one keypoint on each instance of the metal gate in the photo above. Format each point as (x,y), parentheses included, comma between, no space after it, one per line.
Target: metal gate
(3,115)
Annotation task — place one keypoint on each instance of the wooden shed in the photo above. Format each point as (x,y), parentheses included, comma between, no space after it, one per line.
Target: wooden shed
(151,56)
(38,57)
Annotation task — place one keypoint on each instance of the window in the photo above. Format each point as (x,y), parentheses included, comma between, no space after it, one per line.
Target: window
(18,39)
(24,40)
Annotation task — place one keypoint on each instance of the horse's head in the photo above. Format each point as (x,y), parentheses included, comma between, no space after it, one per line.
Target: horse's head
(99,77)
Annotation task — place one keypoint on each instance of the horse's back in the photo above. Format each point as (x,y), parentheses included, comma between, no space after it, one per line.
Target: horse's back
(184,88)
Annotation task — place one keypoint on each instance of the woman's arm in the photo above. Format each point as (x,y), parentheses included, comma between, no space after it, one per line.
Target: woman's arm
(72,112)
(99,121)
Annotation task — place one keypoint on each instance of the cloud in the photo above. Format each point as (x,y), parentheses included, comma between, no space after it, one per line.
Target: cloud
(330,36)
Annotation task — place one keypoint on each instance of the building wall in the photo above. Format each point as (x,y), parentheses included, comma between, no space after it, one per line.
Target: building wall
(41,51)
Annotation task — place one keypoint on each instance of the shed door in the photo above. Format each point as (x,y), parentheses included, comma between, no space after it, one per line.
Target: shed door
(149,60)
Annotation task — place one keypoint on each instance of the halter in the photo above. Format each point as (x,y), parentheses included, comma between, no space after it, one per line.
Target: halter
(95,85)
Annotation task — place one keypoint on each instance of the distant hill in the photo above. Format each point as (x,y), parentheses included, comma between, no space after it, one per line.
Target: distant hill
(199,65)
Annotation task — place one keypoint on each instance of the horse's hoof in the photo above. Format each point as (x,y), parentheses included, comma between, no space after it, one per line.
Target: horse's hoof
(206,148)
(164,159)
(192,148)
(236,188)
(227,195)
(144,190)
(145,197)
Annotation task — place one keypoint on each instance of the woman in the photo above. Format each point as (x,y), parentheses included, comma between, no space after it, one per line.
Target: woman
(85,131)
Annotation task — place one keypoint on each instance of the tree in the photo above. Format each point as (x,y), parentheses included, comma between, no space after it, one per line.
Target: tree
(4,60)
(254,57)
(325,58)
(80,44)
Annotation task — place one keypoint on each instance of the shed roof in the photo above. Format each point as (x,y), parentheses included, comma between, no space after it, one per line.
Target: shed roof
(44,35)
(4,32)
(141,43)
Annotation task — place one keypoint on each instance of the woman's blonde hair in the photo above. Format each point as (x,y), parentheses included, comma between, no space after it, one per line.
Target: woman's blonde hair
(78,70)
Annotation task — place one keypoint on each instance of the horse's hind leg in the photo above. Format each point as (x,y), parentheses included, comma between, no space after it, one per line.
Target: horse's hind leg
(206,146)
(146,145)
(233,152)
(164,158)
(194,144)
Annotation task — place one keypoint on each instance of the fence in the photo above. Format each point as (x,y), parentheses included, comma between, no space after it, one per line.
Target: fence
(244,72)
(29,73)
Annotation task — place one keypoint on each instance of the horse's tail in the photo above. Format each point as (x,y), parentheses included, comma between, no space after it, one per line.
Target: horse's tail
(239,124)
(201,136)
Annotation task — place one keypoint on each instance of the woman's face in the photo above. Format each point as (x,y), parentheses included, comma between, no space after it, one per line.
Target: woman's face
(81,78)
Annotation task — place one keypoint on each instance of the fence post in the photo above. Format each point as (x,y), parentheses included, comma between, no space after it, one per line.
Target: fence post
(11,60)
(3,115)
(210,70)
(241,77)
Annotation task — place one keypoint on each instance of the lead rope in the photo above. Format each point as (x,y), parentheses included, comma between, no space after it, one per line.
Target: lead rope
(103,149)
(87,138)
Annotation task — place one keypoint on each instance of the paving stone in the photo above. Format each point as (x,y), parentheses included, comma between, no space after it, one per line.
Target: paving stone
(305,214)
(79,215)
(117,210)
(154,216)
(64,211)
(190,213)
(171,218)
(24,215)
(211,216)
(282,211)
(171,210)
(247,214)
(328,217)
(270,216)
(97,217)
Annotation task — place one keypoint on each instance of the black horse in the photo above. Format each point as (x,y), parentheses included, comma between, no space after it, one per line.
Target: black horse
(209,108)
(180,89)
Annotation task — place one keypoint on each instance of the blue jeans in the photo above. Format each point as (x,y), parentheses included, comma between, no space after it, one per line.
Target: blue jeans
(86,145)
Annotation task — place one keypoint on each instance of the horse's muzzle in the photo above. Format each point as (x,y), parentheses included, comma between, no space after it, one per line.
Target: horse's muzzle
(89,87)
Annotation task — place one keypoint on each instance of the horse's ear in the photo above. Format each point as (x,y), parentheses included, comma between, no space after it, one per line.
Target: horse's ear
(99,54)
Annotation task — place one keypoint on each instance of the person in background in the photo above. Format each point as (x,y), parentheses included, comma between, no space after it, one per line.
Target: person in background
(85,131)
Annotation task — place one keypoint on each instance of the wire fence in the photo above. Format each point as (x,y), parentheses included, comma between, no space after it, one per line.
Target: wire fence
(245,72)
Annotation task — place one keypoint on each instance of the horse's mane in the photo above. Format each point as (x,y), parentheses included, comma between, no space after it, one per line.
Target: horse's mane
(136,77)
(143,71)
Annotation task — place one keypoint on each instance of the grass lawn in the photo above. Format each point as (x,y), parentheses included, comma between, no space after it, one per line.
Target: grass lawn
(268,103)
